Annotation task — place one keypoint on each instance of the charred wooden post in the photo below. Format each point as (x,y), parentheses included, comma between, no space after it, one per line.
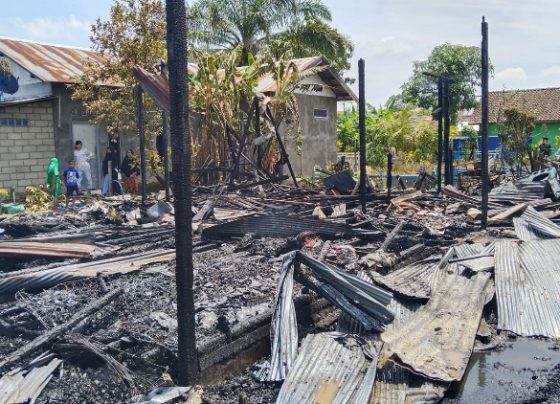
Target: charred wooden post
(142,135)
(110,174)
(242,143)
(389,174)
(165,146)
(284,154)
(187,361)
(484,123)
(446,133)
(362,128)
(440,132)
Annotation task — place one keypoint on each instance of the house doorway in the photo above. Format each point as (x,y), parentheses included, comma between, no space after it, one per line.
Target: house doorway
(88,134)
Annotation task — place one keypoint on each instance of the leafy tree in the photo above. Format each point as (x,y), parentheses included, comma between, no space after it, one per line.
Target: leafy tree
(471,143)
(5,68)
(133,35)
(413,138)
(515,136)
(461,63)
(300,26)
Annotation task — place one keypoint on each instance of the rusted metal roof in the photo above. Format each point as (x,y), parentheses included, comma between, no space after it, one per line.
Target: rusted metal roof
(528,287)
(394,384)
(331,78)
(49,63)
(157,86)
(437,340)
(36,249)
(333,368)
(11,282)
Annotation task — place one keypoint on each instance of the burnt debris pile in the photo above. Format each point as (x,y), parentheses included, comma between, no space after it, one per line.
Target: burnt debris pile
(300,296)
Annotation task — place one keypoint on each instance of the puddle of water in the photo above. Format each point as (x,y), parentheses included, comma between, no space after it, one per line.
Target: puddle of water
(508,375)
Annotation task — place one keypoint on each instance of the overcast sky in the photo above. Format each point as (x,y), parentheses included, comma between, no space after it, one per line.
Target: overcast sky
(388,34)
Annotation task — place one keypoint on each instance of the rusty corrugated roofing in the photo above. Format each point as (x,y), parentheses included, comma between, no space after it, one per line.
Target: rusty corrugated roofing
(437,340)
(528,287)
(157,86)
(394,384)
(50,63)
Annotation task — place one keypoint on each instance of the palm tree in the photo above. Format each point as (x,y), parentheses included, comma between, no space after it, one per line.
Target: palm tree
(300,26)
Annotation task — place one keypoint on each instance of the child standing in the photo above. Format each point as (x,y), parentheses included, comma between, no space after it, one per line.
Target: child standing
(71,177)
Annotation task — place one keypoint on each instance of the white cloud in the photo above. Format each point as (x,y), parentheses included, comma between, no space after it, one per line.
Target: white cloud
(49,29)
(551,72)
(392,46)
(511,76)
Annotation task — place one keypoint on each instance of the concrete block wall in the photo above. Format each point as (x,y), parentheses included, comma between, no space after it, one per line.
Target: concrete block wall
(26,150)
(318,135)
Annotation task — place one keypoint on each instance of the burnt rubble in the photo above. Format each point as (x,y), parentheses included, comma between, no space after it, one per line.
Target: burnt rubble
(101,326)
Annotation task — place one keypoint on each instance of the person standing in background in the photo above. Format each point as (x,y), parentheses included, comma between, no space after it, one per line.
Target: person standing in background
(82,157)
(129,170)
(71,177)
(544,152)
(112,176)
(53,182)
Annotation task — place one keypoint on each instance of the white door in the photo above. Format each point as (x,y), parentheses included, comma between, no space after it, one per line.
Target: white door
(88,135)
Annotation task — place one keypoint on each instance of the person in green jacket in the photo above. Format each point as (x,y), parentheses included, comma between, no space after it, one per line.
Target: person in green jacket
(53,182)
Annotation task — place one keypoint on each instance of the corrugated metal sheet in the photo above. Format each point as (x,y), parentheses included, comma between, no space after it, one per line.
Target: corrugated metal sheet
(438,339)
(397,385)
(394,384)
(483,263)
(331,368)
(284,329)
(13,282)
(531,225)
(399,307)
(157,86)
(50,63)
(38,249)
(349,292)
(528,287)
(276,226)
(26,385)
(418,279)
(415,280)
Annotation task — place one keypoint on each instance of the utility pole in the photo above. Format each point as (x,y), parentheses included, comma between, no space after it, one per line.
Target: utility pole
(484,123)
(187,361)
(362,128)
